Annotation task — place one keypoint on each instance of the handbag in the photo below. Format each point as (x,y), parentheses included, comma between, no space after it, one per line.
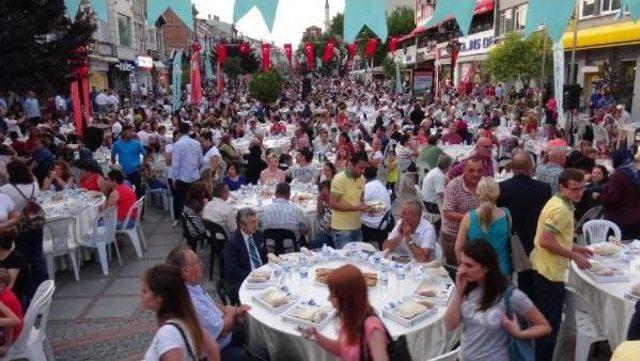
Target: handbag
(519,350)
(519,257)
(397,350)
(33,216)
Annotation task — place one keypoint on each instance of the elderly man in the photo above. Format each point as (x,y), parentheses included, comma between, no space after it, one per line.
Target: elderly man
(217,210)
(282,214)
(459,198)
(413,235)
(243,252)
(223,323)
(483,150)
(434,183)
(549,172)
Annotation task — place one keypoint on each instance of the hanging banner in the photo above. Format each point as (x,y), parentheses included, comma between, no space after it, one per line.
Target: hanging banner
(219,79)
(358,13)
(393,44)
(266,56)
(177,80)
(208,69)
(437,74)
(244,49)
(558,78)
(460,10)
(267,9)
(196,88)
(288,51)
(222,53)
(538,14)
(308,50)
(352,49)
(329,49)
(77,107)
(632,6)
(370,48)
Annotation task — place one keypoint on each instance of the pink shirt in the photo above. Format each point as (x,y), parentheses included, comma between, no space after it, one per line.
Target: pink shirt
(352,352)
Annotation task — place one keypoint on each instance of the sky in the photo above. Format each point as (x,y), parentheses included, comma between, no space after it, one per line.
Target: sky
(292,18)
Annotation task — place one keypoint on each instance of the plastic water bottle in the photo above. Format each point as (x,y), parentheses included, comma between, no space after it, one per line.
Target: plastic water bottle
(304,271)
(400,275)
(384,278)
(325,251)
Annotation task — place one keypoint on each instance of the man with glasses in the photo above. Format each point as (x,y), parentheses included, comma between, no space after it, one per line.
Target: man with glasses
(483,151)
(553,249)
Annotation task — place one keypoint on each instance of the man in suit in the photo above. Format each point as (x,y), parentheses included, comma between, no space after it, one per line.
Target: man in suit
(243,252)
(524,197)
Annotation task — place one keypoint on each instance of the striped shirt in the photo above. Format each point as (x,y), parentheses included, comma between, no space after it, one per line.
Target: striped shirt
(457,198)
(282,214)
(303,173)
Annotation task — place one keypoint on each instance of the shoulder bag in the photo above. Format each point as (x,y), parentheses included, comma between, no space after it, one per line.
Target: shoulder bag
(397,350)
(519,257)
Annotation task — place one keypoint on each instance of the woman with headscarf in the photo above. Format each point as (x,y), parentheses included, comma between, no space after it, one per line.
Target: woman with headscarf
(621,195)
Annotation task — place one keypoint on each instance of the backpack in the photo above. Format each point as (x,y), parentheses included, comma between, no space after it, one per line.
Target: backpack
(32,214)
(397,350)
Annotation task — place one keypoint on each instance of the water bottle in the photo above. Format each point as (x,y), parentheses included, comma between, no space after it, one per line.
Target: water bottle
(384,278)
(304,271)
(400,272)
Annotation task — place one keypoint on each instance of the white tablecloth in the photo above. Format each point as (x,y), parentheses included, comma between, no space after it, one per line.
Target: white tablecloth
(426,339)
(612,310)
(276,145)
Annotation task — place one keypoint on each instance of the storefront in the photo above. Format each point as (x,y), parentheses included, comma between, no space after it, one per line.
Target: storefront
(119,76)
(98,74)
(474,49)
(143,78)
(606,50)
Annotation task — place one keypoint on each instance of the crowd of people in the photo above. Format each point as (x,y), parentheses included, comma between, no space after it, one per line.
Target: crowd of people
(358,144)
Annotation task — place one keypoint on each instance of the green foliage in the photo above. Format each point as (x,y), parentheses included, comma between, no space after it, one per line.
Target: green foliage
(336,26)
(388,67)
(518,57)
(233,66)
(37,40)
(266,86)
(401,21)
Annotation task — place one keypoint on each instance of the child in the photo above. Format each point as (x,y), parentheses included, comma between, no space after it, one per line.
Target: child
(11,315)
(392,178)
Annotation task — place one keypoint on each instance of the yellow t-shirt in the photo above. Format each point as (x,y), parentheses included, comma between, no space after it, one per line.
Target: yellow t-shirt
(349,190)
(556,217)
(626,351)
(393,173)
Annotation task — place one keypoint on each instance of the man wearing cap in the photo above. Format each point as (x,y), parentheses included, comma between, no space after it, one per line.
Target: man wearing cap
(483,151)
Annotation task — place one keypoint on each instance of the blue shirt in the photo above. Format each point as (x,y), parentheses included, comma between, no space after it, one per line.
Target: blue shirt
(210,316)
(235,185)
(128,154)
(497,235)
(31,108)
(186,159)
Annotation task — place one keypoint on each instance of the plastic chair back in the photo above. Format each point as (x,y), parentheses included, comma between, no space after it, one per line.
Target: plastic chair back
(58,229)
(35,319)
(595,231)
(136,207)
(278,236)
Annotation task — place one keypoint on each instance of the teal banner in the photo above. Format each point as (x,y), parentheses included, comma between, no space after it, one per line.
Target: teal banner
(358,13)
(538,14)
(177,80)
(267,8)
(460,10)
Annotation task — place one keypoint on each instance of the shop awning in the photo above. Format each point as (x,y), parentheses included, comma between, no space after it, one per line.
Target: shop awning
(617,34)
(106,59)
(482,6)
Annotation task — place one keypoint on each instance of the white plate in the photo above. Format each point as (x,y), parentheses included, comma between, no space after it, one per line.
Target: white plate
(273,281)
(288,316)
(291,300)
(388,313)
(444,294)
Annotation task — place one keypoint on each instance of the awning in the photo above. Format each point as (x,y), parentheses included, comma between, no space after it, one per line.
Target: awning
(618,34)
(106,59)
(482,6)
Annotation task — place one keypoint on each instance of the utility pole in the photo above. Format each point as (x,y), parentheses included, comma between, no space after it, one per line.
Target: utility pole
(572,70)
(542,74)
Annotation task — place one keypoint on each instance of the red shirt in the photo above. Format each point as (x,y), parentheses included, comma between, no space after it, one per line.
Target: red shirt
(126,199)
(11,301)
(90,182)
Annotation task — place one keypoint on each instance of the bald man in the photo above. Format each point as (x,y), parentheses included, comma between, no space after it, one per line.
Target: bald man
(549,172)
(524,197)
(484,148)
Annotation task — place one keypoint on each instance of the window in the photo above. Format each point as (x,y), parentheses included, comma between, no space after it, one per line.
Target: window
(506,21)
(124,30)
(607,6)
(587,8)
(520,17)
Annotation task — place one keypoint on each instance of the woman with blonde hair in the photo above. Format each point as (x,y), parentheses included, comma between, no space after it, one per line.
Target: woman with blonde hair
(488,222)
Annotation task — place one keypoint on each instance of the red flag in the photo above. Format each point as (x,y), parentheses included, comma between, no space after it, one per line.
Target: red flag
(352,49)
(222,53)
(370,48)
(308,49)
(77,106)
(454,57)
(393,44)
(329,51)
(196,90)
(219,79)
(266,56)
(288,52)
(244,49)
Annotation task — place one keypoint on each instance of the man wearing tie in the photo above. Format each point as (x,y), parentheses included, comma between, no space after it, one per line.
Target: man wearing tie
(243,252)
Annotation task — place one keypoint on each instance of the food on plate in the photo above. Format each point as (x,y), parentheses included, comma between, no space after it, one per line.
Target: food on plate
(303,197)
(595,265)
(274,297)
(370,278)
(310,313)
(410,309)
(259,276)
(273,258)
(266,193)
(322,274)
(606,249)
(605,272)
(427,290)
(375,207)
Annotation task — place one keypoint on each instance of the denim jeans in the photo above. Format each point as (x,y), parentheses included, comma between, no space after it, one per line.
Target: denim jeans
(341,238)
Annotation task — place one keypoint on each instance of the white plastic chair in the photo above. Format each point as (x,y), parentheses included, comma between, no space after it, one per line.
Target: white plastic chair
(32,343)
(439,254)
(60,243)
(449,356)
(134,233)
(578,315)
(595,231)
(360,246)
(101,236)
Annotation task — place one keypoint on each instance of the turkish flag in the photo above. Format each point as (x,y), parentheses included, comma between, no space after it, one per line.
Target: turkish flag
(196,90)
(266,56)
(222,53)
(308,49)
(370,48)
(352,49)
(454,58)
(393,44)
(244,49)
(288,52)
(329,52)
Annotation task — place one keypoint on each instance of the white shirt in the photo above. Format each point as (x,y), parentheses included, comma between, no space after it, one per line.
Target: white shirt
(424,237)
(102,99)
(144,137)
(167,338)
(375,191)
(220,212)
(213,152)
(6,206)
(116,129)
(16,197)
(113,100)
(433,185)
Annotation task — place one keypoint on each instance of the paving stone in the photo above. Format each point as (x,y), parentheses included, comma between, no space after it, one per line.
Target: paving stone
(114,307)
(124,287)
(84,288)
(67,308)
(138,267)
(157,252)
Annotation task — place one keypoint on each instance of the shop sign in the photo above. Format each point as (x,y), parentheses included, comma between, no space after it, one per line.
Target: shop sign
(124,66)
(422,81)
(476,43)
(144,62)
(98,66)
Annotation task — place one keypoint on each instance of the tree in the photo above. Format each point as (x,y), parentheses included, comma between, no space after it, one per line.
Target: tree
(516,57)
(336,26)
(233,66)
(267,86)
(401,22)
(37,42)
